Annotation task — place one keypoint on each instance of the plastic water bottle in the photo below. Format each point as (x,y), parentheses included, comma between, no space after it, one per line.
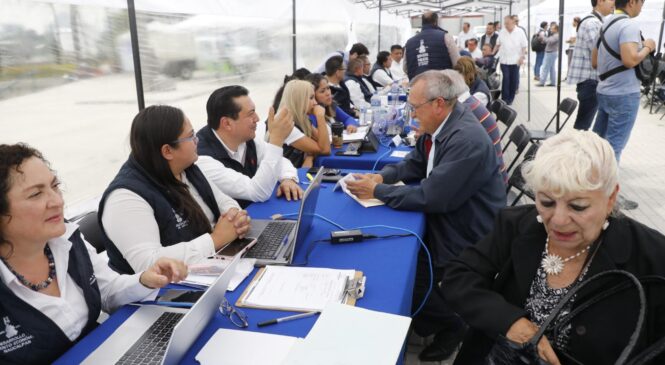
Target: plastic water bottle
(363,116)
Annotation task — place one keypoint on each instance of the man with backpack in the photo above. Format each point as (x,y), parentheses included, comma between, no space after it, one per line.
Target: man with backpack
(581,73)
(618,51)
(538,45)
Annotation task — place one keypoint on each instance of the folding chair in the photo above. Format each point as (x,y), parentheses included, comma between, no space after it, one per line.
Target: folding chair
(507,116)
(520,137)
(92,231)
(516,180)
(567,107)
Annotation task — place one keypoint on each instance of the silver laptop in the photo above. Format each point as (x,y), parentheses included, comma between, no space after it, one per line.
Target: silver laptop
(141,338)
(276,241)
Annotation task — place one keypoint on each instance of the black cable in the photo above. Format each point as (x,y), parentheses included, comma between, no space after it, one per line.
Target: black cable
(365,237)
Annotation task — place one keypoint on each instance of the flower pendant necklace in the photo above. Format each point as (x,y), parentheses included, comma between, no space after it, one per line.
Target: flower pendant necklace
(553,264)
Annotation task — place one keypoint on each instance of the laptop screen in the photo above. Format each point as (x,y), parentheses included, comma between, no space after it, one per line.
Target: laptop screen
(308,209)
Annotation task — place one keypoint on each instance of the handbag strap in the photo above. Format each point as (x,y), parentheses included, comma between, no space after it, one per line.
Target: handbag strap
(569,295)
(657,347)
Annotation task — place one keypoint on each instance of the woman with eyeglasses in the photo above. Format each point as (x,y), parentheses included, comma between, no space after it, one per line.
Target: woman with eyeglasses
(333,112)
(160,203)
(53,284)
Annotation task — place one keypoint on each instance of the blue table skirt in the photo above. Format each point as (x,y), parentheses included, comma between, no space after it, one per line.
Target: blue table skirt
(365,161)
(388,264)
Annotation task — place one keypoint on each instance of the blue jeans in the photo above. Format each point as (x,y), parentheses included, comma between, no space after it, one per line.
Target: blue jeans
(549,67)
(510,82)
(615,119)
(586,95)
(539,62)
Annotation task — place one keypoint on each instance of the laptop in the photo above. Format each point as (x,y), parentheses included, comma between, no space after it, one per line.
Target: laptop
(276,240)
(162,335)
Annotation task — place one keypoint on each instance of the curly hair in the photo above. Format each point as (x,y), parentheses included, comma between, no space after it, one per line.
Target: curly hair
(467,68)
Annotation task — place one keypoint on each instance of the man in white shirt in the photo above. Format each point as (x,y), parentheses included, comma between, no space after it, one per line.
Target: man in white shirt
(396,53)
(357,49)
(464,35)
(245,167)
(473,49)
(358,90)
(511,48)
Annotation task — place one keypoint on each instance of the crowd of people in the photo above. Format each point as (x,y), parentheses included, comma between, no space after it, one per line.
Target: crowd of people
(498,271)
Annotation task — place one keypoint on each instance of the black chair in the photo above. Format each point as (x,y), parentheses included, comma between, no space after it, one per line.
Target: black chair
(516,180)
(507,116)
(520,137)
(92,231)
(496,105)
(567,107)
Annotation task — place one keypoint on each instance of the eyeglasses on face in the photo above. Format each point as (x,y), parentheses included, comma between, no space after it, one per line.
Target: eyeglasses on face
(237,316)
(413,107)
(193,137)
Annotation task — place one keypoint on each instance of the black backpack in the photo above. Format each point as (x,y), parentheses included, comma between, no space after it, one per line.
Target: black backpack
(537,45)
(647,69)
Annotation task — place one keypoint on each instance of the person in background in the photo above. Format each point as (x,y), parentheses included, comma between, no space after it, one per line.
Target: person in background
(472,47)
(324,97)
(396,54)
(359,91)
(335,71)
(53,283)
(509,282)
(454,152)
(487,61)
(497,26)
(489,37)
(619,92)
(431,49)
(160,204)
(510,48)
(242,166)
(572,40)
(367,71)
(464,35)
(357,49)
(477,87)
(581,73)
(305,141)
(538,46)
(551,56)
(381,73)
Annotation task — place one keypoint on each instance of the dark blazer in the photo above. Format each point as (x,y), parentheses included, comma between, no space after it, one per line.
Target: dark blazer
(462,194)
(489,282)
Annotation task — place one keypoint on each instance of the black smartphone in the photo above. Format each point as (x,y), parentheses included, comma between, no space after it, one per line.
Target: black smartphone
(180,296)
(313,170)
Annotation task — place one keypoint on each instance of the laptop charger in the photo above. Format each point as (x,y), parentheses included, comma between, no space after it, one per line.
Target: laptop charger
(351,236)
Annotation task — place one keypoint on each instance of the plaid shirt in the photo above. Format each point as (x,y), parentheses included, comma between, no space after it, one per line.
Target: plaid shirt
(580,66)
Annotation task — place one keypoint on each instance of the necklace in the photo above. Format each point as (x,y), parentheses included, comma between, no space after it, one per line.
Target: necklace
(553,264)
(39,286)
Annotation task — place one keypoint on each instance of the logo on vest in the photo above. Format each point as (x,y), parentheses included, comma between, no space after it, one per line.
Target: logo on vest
(93,279)
(14,339)
(179,222)
(422,56)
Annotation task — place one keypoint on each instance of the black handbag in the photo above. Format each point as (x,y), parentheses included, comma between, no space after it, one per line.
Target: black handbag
(507,352)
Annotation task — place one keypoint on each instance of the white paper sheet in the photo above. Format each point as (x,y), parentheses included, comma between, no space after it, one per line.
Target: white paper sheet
(358,135)
(346,335)
(243,269)
(298,288)
(367,203)
(235,347)
(399,154)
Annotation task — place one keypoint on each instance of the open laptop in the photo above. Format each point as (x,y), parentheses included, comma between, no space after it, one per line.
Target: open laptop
(276,240)
(162,335)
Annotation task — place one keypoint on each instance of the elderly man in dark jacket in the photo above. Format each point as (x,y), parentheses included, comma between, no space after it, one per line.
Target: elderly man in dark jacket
(460,189)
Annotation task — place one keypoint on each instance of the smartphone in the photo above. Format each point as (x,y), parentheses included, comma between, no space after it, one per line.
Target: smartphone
(180,296)
(240,245)
(313,170)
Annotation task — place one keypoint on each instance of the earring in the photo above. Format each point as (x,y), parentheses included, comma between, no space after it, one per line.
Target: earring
(539,218)
(606,224)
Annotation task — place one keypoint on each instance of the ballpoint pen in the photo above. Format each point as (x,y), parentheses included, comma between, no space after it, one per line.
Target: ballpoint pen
(288,318)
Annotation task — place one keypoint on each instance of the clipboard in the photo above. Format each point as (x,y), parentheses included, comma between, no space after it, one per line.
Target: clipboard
(354,290)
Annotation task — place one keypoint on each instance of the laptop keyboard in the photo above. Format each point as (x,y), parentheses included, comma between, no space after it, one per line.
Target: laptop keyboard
(151,347)
(270,240)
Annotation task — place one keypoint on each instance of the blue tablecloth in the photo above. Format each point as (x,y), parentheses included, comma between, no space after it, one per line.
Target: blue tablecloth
(365,161)
(388,264)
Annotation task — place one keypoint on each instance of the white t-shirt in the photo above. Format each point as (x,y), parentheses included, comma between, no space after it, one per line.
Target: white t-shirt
(511,46)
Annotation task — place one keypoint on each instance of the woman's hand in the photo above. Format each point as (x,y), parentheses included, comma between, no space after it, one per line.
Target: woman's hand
(164,271)
(523,330)
(319,111)
(240,221)
(351,128)
(224,231)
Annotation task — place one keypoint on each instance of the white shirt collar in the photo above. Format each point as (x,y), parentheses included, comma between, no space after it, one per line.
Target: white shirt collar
(462,97)
(237,155)
(438,130)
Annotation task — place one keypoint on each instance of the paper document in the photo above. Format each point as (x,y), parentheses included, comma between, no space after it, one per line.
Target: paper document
(233,347)
(358,135)
(399,154)
(204,274)
(367,203)
(297,288)
(350,335)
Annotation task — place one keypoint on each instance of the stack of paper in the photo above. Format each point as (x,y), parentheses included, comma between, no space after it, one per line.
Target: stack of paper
(367,203)
(358,135)
(205,273)
(231,347)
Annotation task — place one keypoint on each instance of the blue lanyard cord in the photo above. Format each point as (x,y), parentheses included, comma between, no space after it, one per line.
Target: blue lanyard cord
(420,240)
(390,149)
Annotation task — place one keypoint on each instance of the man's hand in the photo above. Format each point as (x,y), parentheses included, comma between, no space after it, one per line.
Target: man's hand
(523,330)
(290,190)
(279,126)
(364,185)
(164,271)
(351,128)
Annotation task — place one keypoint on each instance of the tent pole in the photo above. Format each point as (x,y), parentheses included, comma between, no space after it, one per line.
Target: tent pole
(293,32)
(378,46)
(133,31)
(558,83)
(660,42)
(528,66)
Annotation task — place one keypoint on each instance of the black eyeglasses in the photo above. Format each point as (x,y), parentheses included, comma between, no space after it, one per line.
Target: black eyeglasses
(237,316)
(412,107)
